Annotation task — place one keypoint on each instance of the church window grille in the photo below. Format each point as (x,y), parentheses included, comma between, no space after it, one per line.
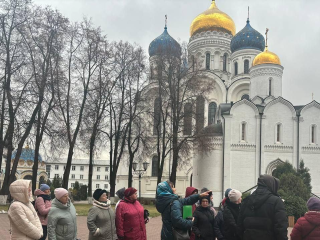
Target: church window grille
(279,137)
(225,62)
(187,126)
(154,170)
(208,61)
(243,131)
(199,113)
(236,68)
(193,63)
(313,133)
(246,66)
(157,117)
(212,112)
(270,86)
(245,96)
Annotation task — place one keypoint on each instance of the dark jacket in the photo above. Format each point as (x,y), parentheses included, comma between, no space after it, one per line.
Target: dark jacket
(230,216)
(307,225)
(203,224)
(263,214)
(219,226)
(173,218)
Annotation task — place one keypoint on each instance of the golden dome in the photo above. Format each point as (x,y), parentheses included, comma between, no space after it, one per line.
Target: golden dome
(266,57)
(213,20)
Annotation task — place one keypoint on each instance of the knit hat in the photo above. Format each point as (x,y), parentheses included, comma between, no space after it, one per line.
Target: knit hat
(129,191)
(44,187)
(206,197)
(120,193)
(226,193)
(98,192)
(234,195)
(313,204)
(60,192)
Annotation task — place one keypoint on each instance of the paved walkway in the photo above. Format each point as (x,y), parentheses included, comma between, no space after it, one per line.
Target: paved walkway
(153,228)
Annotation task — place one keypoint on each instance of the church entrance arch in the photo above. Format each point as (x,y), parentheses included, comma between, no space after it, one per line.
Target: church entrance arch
(28,177)
(273,165)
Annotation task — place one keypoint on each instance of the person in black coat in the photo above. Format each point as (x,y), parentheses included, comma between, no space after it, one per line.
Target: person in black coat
(218,220)
(263,214)
(170,207)
(231,214)
(203,221)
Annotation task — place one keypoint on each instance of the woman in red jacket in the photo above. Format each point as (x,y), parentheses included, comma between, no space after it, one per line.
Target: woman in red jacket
(130,222)
(308,227)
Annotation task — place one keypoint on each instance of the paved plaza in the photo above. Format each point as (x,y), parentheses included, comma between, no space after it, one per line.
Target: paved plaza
(153,228)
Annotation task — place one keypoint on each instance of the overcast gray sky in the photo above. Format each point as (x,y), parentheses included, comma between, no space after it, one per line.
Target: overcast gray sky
(294,29)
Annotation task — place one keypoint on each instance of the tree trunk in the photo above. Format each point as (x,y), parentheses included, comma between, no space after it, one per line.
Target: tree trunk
(92,142)
(130,177)
(36,154)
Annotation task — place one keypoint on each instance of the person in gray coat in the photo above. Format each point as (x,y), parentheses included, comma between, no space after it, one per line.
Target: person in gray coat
(62,221)
(101,218)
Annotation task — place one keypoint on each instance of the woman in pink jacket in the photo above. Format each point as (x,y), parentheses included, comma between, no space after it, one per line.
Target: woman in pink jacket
(130,222)
(42,206)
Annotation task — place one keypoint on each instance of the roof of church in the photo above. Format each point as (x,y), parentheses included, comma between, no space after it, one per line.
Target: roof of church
(26,154)
(164,44)
(247,38)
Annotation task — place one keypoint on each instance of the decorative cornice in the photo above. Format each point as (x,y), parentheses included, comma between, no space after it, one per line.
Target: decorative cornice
(246,102)
(311,149)
(278,148)
(243,147)
(310,105)
(209,34)
(284,102)
(266,72)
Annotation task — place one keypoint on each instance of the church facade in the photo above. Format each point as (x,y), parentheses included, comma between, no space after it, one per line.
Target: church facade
(254,128)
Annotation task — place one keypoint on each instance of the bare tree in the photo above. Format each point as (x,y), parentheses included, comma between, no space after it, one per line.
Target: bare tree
(137,132)
(83,60)
(14,14)
(98,99)
(178,84)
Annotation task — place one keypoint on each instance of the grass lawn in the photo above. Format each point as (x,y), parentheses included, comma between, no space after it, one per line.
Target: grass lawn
(82,209)
(5,208)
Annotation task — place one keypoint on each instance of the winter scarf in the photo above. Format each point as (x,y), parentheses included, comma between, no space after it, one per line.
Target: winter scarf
(102,205)
(45,197)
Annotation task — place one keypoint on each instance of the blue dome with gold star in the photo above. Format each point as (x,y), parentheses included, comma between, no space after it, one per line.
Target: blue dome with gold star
(247,38)
(26,154)
(164,44)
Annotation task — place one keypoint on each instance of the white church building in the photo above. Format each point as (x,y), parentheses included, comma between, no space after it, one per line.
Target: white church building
(254,128)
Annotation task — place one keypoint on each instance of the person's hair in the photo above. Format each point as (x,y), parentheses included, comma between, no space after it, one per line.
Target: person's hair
(204,190)
(170,183)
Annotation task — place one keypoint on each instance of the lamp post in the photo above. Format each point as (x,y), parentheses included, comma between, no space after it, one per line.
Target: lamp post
(140,171)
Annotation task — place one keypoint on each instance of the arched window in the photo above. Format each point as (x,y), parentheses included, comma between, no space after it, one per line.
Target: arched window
(199,113)
(225,62)
(151,71)
(154,170)
(246,66)
(212,112)
(187,126)
(313,134)
(157,117)
(41,180)
(243,131)
(236,68)
(193,63)
(270,86)
(208,61)
(245,96)
(279,133)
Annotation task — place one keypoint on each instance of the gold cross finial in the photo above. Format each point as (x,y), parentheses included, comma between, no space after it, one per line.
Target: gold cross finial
(248,13)
(267,30)
(312,96)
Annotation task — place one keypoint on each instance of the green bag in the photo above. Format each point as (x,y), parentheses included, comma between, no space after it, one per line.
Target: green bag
(187,211)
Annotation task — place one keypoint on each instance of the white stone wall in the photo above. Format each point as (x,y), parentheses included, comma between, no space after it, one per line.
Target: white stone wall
(260,76)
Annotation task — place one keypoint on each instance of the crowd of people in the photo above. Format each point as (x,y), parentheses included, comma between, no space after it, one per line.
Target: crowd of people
(261,215)
(56,219)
